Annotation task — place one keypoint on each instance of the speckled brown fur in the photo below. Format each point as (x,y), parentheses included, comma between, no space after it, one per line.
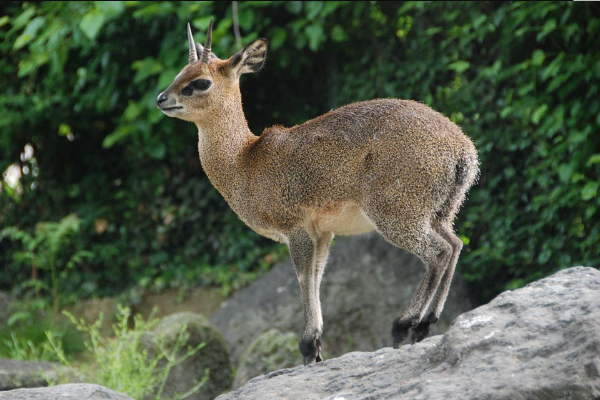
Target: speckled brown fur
(395,166)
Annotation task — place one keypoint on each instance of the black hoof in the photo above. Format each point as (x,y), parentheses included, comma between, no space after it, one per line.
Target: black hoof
(421,331)
(319,357)
(311,350)
(400,329)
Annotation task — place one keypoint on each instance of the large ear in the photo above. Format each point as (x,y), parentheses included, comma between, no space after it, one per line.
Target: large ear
(250,59)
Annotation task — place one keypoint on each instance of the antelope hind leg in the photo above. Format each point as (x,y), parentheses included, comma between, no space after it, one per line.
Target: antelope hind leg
(421,331)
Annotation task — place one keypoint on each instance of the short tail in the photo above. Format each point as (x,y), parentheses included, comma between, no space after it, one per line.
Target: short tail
(466,172)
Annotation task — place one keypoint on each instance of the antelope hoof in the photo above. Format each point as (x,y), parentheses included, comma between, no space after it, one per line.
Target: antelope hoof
(319,357)
(311,350)
(421,331)
(400,329)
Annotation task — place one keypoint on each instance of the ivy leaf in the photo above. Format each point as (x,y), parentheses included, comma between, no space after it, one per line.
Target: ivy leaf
(338,34)
(23,18)
(119,134)
(146,68)
(549,26)
(590,190)
(565,171)
(315,36)
(201,23)
(4,20)
(459,66)
(312,9)
(29,32)
(594,159)
(91,23)
(537,58)
(246,18)
(539,113)
(166,78)
(158,151)
(277,37)
(111,8)
(294,7)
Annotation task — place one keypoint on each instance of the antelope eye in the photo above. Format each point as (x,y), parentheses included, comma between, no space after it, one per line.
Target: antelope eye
(201,84)
(187,91)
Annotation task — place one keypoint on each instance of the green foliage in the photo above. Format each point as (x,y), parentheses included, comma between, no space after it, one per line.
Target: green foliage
(80,80)
(27,340)
(18,348)
(124,364)
(47,250)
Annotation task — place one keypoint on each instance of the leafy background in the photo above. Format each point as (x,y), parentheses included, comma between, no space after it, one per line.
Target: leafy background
(79,124)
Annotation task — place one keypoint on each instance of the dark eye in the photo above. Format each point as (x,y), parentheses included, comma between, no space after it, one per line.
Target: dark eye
(201,84)
(187,91)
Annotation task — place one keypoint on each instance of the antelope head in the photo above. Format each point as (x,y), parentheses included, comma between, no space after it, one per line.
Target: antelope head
(208,82)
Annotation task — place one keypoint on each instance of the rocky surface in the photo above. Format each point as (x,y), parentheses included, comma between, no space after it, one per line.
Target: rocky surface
(541,342)
(76,391)
(201,300)
(15,374)
(91,309)
(367,283)
(271,351)
(214,355)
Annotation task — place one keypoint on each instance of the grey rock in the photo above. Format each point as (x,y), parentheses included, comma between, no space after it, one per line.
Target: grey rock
(16,374)
(273,350)
(74,391)
(367,283)
(214,355)
(541,342)
(91,309)
(200,300)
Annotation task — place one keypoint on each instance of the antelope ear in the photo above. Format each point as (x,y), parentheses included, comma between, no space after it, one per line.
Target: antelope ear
(250,59)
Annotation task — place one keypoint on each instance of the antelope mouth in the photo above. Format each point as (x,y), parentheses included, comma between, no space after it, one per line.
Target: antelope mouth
(171,108)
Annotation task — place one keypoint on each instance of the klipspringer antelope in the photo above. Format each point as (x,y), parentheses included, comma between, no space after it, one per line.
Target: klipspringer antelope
(389,165)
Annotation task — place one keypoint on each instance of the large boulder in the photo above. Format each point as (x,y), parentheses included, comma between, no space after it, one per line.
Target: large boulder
(75,391)
(367,283)
(541,342)
(200,300)
(16,374)
(214,355)
(90,310)
(271,351)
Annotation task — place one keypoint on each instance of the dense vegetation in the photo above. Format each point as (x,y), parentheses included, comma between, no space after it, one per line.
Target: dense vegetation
(79,124)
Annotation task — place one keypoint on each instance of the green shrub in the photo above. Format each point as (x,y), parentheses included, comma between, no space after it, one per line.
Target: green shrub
(47,250)
(80,80)
(25,338)
(123,364)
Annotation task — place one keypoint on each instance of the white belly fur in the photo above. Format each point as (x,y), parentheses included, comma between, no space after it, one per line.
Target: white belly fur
(342,219)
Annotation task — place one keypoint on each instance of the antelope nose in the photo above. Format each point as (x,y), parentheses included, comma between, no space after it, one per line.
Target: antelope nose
(161,99)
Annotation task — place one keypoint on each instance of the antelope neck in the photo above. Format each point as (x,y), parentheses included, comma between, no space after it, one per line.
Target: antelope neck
(221,142)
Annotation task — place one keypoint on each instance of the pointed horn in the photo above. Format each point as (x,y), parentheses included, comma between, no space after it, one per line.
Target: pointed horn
(193,53)
(207,47)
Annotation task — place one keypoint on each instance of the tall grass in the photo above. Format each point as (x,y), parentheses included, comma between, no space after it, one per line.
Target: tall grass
(125,362)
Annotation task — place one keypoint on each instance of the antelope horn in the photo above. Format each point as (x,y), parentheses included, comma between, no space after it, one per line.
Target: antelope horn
(193,53)
(207,46)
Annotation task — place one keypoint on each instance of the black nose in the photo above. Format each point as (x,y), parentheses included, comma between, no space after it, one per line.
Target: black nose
(161,99)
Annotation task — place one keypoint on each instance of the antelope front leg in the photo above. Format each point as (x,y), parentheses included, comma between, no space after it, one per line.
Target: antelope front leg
(303,253)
